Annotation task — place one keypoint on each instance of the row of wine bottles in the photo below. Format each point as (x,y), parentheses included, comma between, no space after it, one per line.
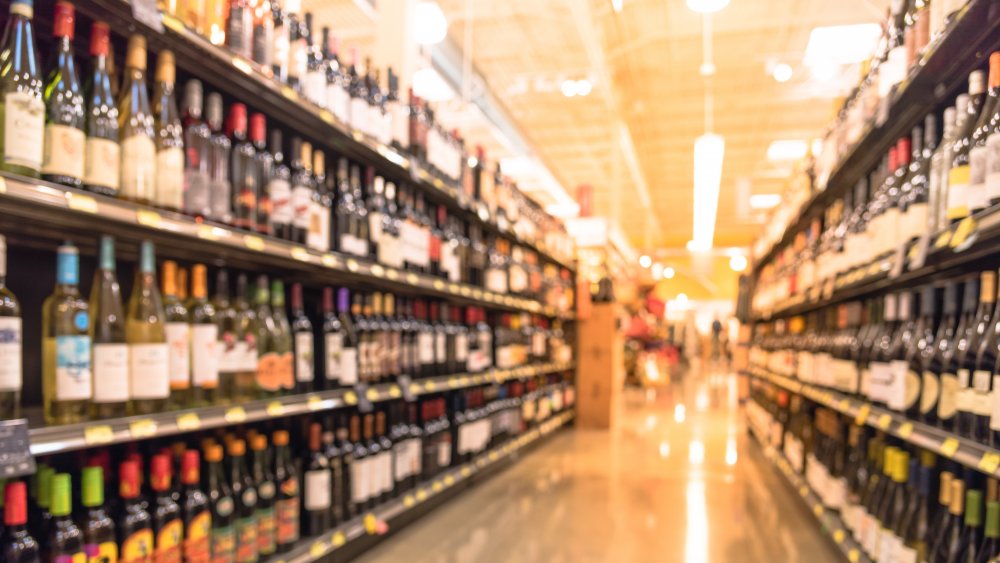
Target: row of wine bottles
(170,349)
(899,502)
(927,181)
(250,493)
(119,143)
(931,353)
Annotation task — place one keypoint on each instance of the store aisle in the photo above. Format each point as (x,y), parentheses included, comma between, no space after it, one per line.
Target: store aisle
(679,480)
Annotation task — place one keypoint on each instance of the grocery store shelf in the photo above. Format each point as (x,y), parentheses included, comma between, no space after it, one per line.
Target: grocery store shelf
(829,520)
(47,440)
(941,72)
(46,211)
(957,247)
(370,528)
(962,450)
(244,80)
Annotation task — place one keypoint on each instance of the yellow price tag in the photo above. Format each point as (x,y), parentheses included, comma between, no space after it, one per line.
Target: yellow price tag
(453,288)
(884,421)
(326,116)
(330,261)
(965,228)
(352,264)
(437,487)
(480,463)
(317,549)
(439,285)
(358,136)
(430,386)
(466,472)
(275,408)
(289,93)
(839,536)
(173,23)
(463,381)
(99,434)
(803,490)
(409,501)
(148,218)
(949,446)
(372,395)
(143,428)
(905,430)
(862,416)
(235,415)
(421,495)
(853,556)
(242,65)
(314,403)
(392,274)
(378,271)
(989,462)
(351,398)
(449,480)
(189,421)
(412,279)
(300,254)
(338,539)
(818,509)
(81,202)
(494,456)
(942,240)
(415,388)
(371,524)
(207,232)
(253,242)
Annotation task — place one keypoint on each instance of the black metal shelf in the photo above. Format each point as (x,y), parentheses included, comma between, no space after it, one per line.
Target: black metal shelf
(33,210)
(962,450)
(942,70)
(243,79)
(362,532)
(47,440)
(830,520)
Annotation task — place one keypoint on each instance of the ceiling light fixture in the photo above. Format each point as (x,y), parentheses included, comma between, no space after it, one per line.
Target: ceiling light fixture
(707,6)
(669,273)
(782,73)
(764,201)
(429,85)
(430,25)
(616,5)
(738,263)
(841,44)
(789,149)
(583,87)
(568,88)
(645,261)
(709,148)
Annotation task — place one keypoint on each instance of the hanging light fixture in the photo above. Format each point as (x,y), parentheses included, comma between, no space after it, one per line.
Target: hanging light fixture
(709,152)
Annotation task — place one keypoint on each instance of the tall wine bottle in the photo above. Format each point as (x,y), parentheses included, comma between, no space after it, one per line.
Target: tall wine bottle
(144,328)
(204,341)
(229,338)
(303,342)
(135,128)
(972,533)
(97,526)
(991,533)
(959,200)
(220,499)
(21,107)
(245,387)
(948,535)
(65,541)
(243,174)
(178,330)
(268,376)
(197,198)
(169,136)
(66,369)
(107,332)
(63,154)
(197,514)
(219,187)
(11,377)
(283,337)
(18,543)
(168,523)
(102,170)
(286,505)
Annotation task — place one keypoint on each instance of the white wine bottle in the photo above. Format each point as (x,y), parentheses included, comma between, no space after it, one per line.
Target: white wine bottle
(169,136)
(107,332)
(149,377)
(204,337)
(66,375)
(135,128)
(22,110)
(178,332)
(11,377)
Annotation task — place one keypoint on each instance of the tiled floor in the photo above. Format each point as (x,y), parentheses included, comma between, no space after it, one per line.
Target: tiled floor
(678,480)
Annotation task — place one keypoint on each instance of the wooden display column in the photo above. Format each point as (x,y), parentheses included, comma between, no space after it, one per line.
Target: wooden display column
(600,367)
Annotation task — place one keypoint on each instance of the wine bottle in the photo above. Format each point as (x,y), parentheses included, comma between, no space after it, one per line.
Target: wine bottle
(297,55)
(926,342)
(948,353)
(279,188)
(230,340)
(280,50)
(373,461)
(246,345)
(317,485)
(219,186)
(359,95)
(263,170)
(197,195)
(332,342)
(958,171)
(195,509)
(22,141)
(66,368)
(972,534)
(303,186)
(980,136)
(263,35)
(302,331)
(135,128)
(991,533)
(895,507)
(314,87)
(239,28)
(283,337)
(992,152)
(63,155)
(169,136)
(18,544)
(97,526)
(243,175)
(360,472)
(135,525)
(148,355)
(107,332)
(263,479)
(177,329)
(65,540)
(204,342)
(336,81)
(320,208)
(168,526)
(268,360)
(948,536)
(982,375)
(220,500)
(287,503)
(11,377)
(375,186)
(101,166)
(245,499)
(386,458)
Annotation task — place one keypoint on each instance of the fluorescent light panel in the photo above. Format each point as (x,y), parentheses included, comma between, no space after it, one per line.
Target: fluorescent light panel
(841,44)
(764,201)
(789,149)
(709,151)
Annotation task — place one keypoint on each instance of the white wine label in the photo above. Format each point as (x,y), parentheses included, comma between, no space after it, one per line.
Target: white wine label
(205,355)
(73,373)
(440,348)
(301,200)
(220,196)
(170,178)
(64,150)
(304,356)
(179,349)
(461,347)
(148,372)
(11,378)
(349,366)
(333,345)
(981,380)
(317,490)
(958,187)
(360,480)
(110,373)
(246,354)
(993,167)
(375,227)
(425,347)
(102,163)
(886,545)
(314,88)
(23,129)
(138,165)
(444,453)
(995,404)
(231,356)
(930,391)
(401,465)
(982,403)
(948,401)
(319,228)
(359,114)
(281,201)
(977,196)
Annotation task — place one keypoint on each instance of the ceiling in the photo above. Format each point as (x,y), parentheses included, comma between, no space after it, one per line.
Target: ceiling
(632,137)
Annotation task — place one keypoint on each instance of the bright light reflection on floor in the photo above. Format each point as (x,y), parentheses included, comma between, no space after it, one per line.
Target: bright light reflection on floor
(696,452)
(651,422)
(701,399)
(731,451)
(664,450)
(679,413)
(696,539)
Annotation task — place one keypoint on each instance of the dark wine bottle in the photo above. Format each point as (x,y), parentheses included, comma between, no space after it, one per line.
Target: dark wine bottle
(286,504)
(948,536)
(263,478)
(316,490)
(303,341)
(245,500)
(220,499)
(135,525)
(195,509)
(65,538)
(97,525)
(17,544)
(168,524)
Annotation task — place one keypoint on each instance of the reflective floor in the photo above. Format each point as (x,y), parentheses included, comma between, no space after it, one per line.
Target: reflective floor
(678,480)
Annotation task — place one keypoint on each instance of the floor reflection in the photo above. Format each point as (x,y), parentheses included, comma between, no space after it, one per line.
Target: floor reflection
(669,483)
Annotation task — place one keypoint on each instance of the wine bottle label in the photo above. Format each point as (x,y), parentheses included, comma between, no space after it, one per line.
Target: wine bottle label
(179,360)
(929,392)
(375,227)
(266,527)
(400,114)
(286,370)
(977,196)
(995,404)
(63,154)
(102,166)
(149,374)
(958,184)
(426,347)
(170,178)
(246,537)
(138,546)
(197,534)
(400,465)
(268,376)
(298,59)
(444,453)
(993,167)
(220,193)
(101,552)
(287,511)
(318,237)
(168,541)
(461,347)
(11,378)
(301,199)
(246,349)
(886,545)
(138,168)
(981,380)
(905,554)
(24,129)
(73,371)
(263,40)
(111,378)
(948,401)
(360,480)
(349,366)
(440,348)
(314,87)
(304,356)
(205,355)
(281,201)
(496,280)
(231,354)
(359,114)
(282,49)
(333,347)
(223,543)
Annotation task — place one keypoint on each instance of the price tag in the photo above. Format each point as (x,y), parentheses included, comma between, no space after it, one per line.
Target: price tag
(371,524)
(326,116)
(853,555)
(463,381)
(15,449)
(235,415)
(352,264)
(453,382)
(453,288)
(839,536)
(338,539)
(392,274)
(242,65)
(449,480)
(918,252)
(147,12)
(143,428)
(818,509)
(439,285)
(148,218)
(395,392)
(81,202)
(330,261)
(350,398)
(317,549)
(943,239)
(300,254)
(862,416)
(358,136)
(275,408)
(949,446)
(494,456)
(189,421)
(437,487)
(430,386)
(898,262)
(965,229)
(989,462)
(378,271)
(98,434)
(253,242)
(905,430)
(372,395)
(289,93)
(314,403)
(412,279)
(409,501)
(884,421)
(421,495)
(466,472)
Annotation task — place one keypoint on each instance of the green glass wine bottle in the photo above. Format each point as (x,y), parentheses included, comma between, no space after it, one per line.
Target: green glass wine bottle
(65,141)
(11,377)
(149,377)
(66,370)
(107,332)
(22,109)
(178,331)
(135,128)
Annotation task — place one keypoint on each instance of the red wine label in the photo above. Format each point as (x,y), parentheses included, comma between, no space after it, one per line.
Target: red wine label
(266,530)
(246,541)
(223,544)
(288,513)
(168,542)
(268,372)
(286,370)
(74,558)
(199,530)
(106,552)
(138,547)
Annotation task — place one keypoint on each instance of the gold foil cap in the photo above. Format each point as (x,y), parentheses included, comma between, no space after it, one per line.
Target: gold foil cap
(135,55)
(319,163)
(166,69)
(957,496)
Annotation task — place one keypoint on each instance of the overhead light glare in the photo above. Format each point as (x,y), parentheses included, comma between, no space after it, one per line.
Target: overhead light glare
(738,263)
(429,85)
(669,273)
(764,201)
(645,261)
(657,271)
(707,6)
(782,73)
(788,149)
(431,25)
(571,88)
(709,150)
(616,5)
(841,44)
